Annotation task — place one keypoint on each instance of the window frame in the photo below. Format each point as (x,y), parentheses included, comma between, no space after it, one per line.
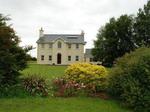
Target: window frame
(42,57)
(59,45)
(77,46)
(91,59)
(77,58)
(42,46)
(50,57)
(69,58)
(50,45)
(69,46)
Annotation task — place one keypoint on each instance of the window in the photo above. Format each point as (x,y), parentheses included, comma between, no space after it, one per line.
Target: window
(69,46)
(42,57)
(50,45)
(77,46)
(91,59)
(69,58)
(77,58)
(50,58)
(42,45)
(59,44)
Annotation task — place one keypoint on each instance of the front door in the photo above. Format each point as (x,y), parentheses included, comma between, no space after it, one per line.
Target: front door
(58,58)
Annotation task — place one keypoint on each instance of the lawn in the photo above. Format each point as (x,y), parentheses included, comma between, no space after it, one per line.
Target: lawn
(46,71)
(74,104)
(52,104)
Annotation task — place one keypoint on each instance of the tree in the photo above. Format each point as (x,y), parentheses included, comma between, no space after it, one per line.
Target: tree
(142,26)
(12,57)
(114,40)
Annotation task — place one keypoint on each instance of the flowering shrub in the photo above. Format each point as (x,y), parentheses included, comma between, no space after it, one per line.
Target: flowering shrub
(62,87)
(93,76)
(35,85)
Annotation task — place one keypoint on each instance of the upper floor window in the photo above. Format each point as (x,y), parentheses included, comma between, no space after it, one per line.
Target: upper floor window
(69,58)
(42,45)
(77,46)
(69,46)
(50,45)
(77,58)
(59,45)
(42,57)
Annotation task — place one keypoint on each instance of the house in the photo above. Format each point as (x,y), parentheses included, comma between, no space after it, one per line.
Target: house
(60,49)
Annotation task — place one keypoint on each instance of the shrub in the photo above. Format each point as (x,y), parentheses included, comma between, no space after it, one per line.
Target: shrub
(62,87)
(35,85)
(130,80)
(13,91)
(93,76)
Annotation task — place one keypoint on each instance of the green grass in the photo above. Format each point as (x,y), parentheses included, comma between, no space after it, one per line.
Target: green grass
(46,71)
(74,104)
(52,104)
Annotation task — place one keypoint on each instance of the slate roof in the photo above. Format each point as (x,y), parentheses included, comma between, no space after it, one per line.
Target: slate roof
(68,38)
(88,53)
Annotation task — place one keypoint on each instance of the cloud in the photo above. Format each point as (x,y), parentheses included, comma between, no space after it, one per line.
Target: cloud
(64,16)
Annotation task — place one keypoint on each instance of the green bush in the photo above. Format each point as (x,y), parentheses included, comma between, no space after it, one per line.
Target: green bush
(13,91)
(35,85)
(90,75)
(130,80)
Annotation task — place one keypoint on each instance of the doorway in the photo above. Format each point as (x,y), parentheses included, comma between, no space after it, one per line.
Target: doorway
(58,58)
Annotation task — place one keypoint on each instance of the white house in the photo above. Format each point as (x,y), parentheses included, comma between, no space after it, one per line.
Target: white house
(60,49)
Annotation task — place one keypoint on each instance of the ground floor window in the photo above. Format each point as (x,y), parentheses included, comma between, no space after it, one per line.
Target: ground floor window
(42,57)
(77,58)
(69,58)
(91,59)
(50,58)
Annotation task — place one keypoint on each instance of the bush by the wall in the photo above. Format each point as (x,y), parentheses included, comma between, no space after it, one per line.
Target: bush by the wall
(90,75)
(130,80)
(36,85)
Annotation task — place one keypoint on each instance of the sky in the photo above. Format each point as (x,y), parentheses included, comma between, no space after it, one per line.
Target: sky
(64,16)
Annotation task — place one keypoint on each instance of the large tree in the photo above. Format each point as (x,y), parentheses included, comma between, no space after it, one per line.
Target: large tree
(142,26)
(12,57)
(114,40)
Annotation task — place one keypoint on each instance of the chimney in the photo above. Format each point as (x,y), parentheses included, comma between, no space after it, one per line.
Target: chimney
(41,32)
(82,33)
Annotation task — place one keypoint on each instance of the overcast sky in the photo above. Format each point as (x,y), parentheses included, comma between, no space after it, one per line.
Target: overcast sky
(64,16)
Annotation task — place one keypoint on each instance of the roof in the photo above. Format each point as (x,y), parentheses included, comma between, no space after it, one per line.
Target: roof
(68,38)
(88,53)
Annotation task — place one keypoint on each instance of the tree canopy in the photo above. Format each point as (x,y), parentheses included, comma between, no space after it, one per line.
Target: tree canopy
(122,35)
(12,57)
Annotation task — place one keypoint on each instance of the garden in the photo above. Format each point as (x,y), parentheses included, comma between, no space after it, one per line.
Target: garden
(82,87)
(20,101)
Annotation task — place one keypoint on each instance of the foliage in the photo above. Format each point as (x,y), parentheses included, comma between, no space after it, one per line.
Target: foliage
(36,85)
(122,35)
(62,87)
(114,40)
(13,91)
(142,26)
(130,80)
(12,57)
(91,75)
